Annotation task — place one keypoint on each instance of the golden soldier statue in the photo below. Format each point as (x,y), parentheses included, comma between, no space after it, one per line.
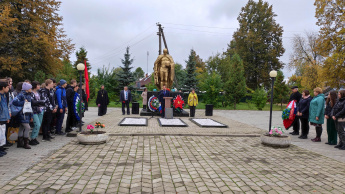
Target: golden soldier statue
(164,70)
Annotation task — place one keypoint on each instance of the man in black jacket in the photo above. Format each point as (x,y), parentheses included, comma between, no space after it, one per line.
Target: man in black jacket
(163,93)
(297,97)
(71,120)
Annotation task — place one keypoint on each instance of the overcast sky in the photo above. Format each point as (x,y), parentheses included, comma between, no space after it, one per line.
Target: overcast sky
(106,27)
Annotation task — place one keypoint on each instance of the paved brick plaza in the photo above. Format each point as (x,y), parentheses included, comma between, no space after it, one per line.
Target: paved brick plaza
(213,160)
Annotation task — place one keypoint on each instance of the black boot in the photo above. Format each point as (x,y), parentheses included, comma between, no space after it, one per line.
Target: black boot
(20,142)
(26,143)
(339,145)
(318,132)
(32,142)
(342,147)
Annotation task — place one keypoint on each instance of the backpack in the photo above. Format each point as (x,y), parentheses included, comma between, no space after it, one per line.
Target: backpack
(15,109)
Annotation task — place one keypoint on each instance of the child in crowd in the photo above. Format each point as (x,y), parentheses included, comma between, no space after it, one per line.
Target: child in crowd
(62,103)
(50,109)
(38,112)
(24,119)
(4,114)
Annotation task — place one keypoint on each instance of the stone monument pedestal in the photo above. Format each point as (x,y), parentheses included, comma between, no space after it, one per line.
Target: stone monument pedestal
(169,113)
(148,112)
(168,110)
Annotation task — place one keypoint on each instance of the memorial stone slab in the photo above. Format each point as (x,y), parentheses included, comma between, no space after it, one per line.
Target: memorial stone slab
(171,122)
(208,123)
(133,121)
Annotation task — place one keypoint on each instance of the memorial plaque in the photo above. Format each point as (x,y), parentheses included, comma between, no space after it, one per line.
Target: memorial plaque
(208,123)
(133,121)
(171,123)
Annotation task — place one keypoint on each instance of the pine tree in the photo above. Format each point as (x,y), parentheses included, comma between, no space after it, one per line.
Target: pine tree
(258,41)
(235,87)
(280,89)
(81,56)
(126,78)
(31,38)
(190,80)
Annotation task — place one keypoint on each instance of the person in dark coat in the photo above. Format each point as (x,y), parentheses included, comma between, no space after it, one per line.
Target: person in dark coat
(85,97)
(71,121)
(50,109)
(102,101)
(331,129)
(297,97)
(9,97)
(303,113)
(125,98)
(338,115)
(163,93)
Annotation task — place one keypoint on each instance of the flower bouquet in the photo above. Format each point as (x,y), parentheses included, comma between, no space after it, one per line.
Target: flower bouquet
(99,125)
(93,137)
(92,131)
(276,131)
(90,127)
(276,138)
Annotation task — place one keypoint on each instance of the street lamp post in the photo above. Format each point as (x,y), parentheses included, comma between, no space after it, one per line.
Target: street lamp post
(273,75)
(81,68)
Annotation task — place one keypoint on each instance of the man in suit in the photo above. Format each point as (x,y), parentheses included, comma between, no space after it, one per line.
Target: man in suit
(163,93)
(125,98)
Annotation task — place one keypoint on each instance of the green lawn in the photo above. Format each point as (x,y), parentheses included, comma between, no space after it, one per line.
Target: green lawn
(240,106)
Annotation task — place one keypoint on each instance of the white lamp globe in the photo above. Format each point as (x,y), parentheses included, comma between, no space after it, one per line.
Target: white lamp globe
(273,73)
(80,67)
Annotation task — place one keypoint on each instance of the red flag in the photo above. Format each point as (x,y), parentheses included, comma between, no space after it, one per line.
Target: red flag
(86,74)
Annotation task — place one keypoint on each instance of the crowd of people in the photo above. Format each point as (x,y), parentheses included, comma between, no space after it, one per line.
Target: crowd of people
(315,110)
(37,106)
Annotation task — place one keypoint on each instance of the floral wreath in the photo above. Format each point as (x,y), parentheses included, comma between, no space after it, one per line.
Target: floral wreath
(76,108)
(286,113)
(153,103)
(178,103)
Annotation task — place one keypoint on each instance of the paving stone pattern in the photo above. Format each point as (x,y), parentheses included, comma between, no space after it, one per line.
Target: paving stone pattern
(171,164)
(136,161)
(19,160)
(260,119)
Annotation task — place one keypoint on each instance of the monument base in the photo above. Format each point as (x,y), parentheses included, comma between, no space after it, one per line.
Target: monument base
(144,112)
(169,113)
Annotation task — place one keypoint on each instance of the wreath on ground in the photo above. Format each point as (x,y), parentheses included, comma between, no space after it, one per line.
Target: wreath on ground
(178,103)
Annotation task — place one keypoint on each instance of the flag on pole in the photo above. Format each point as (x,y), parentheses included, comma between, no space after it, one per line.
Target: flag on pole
(86,75)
